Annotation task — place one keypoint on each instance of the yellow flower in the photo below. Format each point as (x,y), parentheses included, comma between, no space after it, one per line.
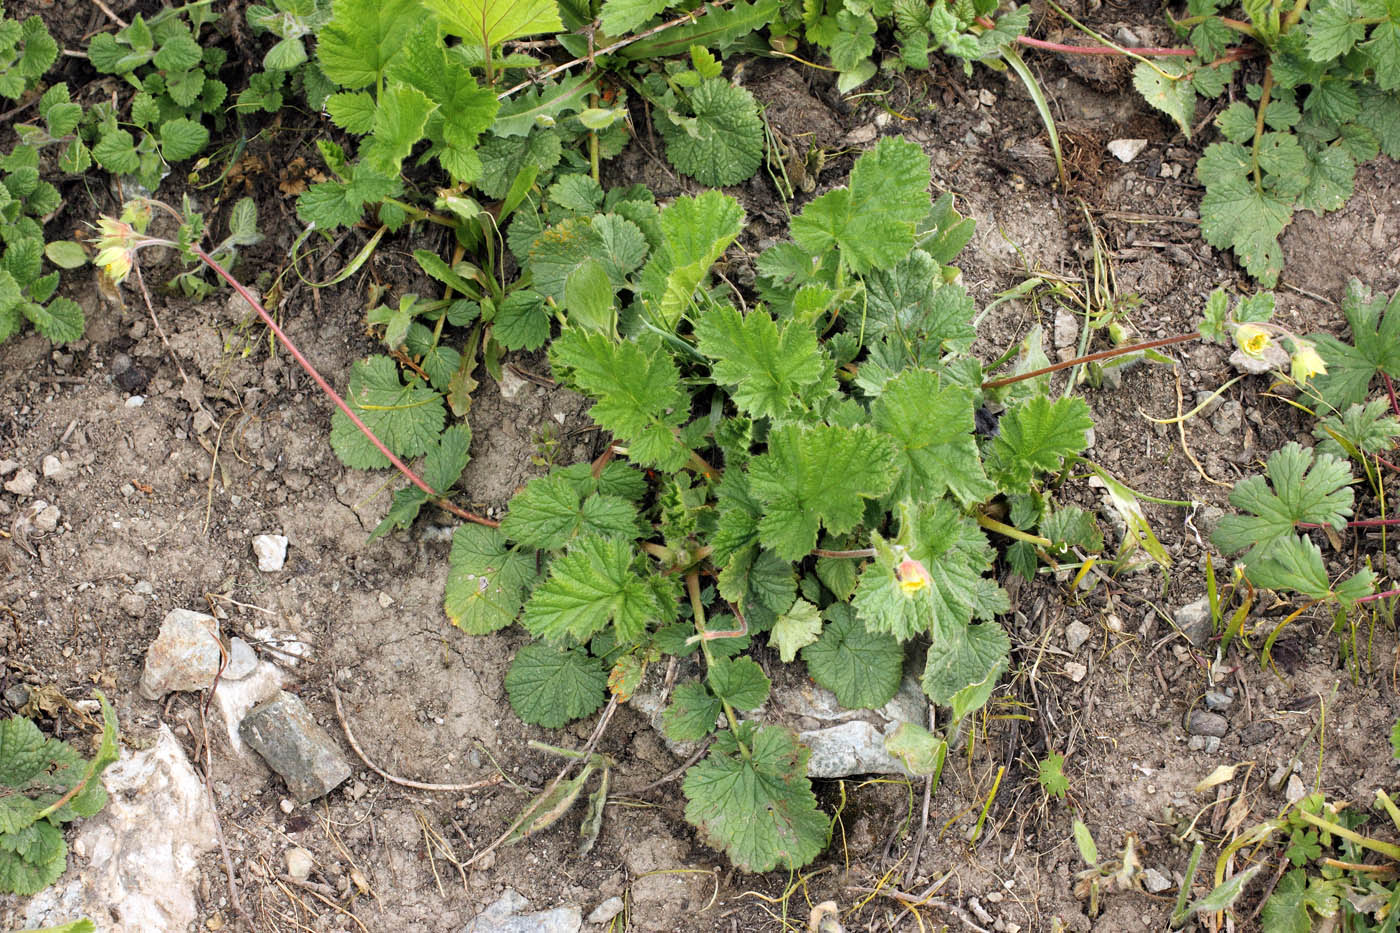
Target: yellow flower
(912,576)
(1307,362)
(1252,339)
(115,263)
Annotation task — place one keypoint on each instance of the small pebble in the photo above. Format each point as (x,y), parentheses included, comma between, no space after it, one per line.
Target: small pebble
(271,551)
(53,469)
(1075,671)
(16,695)
(605,911)
(136,401)
(1217,700)
(132,604)
(1126,150)
(1201,722)
(299,862)
(23,483)
(1076,634)
(286,806)
(45,516)
(1228,419)
(1194,621)
(8,466)
(1154,881)
(1296,789)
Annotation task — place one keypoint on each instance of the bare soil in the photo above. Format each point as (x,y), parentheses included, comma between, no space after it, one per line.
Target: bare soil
(231,442)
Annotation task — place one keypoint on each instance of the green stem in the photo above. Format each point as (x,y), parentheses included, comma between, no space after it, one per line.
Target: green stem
(1375,845)
(697,608)
(593,142)
(1296,14)
(1259,126)
(1001,528)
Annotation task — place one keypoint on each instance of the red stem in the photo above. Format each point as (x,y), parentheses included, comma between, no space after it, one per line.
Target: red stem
(1099,49)
(1375,596)
(1361,523)
(1092,357)
(335,397)
(1390,387)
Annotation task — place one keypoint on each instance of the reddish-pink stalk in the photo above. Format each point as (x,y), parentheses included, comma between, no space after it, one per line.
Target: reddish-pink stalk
(1375,596)
(1099,49)
(1092,357)
(1390,387)
(335,397)
(1359,523)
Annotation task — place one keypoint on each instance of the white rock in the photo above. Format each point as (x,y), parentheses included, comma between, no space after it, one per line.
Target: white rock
(1076,634)
(1155,882)
(1066,330)
(1075,671)
(54,469)
(511,384)
(606,910)
(1126,150)
(241,660)
(507,915)
(287,648)
(854,747)
(1296,789)
(234,698)
(185,655)
(135,862)
(23,483)
(47,519)
(136,401)
(299,863)
(8,466)
(271,551)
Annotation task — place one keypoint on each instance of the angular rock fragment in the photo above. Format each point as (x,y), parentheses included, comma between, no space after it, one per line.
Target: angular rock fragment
(184,656)
(294,745)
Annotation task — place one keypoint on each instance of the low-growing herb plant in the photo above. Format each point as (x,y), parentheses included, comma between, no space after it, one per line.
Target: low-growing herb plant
(27,288)
(26,52)
(45,783)
(177,90)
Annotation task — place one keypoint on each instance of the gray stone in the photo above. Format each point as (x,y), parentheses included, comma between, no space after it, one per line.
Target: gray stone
(271,552)
(854,747)
(8,466)
(16,695)
(46,519)
(23,483)
(1076,634)
(1207,403)
(135,863)
(1195,623)
(1154,881)
(606,911)
(506,916)
(1296,789)
(1217,700)
(282,731)
(1076,671)
(1228,419)
(1202,722)
(184,656)
(132,604)
(241,660)
(234,698)
(1066,330)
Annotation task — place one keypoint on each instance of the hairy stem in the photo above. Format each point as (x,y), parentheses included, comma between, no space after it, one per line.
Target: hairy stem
(1001,528)
(697,608)
(1259,125)
(1092,357)
(325,387)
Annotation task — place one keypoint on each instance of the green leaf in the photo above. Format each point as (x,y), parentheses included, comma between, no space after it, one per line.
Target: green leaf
(32,859)
(1237,215)
(486,580)
(1166,85)
(1084,842)
(352,111)
(1236,122)
(918,750)
(24,752)
(588,296)
(549,512)
(797,628)
(964,664)
(181,139)
(542,108)
(609,241)
(491,22)
(620,17)
(692,713)
(1295,563)
(116,152)
(1368,430)
(720,28)
(522,321)
(399,121)
(594,584)
(818,476)
(954,554)
(724,144)
(61,321)
(873,221)
(1071,527)
(910,302)
(1375,347)
(551,686)
(407,418)
(759,808)
(1051,775)
(73,926)
(1224,895)
(932,427)
(637,388)
(771,370)
(1284,911)
(1036,436)
(863,668)
(1302,491)
(695,232)
(357,46)
(740,682)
